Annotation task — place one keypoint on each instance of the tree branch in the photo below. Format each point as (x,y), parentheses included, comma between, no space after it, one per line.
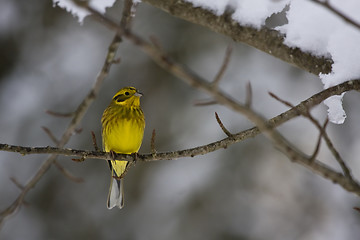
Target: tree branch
(274,122)
(77,115)
(300,109)
(264,39)
(337,12)
(223,67)
(266,127)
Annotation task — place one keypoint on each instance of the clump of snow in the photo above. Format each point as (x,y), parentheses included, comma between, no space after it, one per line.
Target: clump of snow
(255,12)
(336,112)
(80,13)
(305,29)
(247,12)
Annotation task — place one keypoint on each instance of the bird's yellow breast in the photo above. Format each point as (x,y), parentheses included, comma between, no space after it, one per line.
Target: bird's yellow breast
(122,132)
(124,136)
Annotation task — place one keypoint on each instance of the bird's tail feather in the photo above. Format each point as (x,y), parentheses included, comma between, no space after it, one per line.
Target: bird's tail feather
(116,193)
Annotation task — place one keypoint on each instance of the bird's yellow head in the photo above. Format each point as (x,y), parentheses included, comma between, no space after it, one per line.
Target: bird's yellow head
(127,96)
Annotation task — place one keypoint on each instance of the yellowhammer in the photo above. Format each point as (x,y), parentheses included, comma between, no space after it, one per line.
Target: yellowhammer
(123,124)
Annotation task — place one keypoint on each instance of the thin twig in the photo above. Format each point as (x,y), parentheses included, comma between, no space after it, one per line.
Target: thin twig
(337,12)
(205,102)
(58,165)
(337,156)
(16,182)
(94,141)
(57,114)
(152,143)
(317,148)
(227,132)
(286,103)
(248,100)
(323,133)
(51,135)
(67,173)
(223,67)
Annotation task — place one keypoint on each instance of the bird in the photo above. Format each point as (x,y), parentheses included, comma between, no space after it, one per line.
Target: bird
(123,124)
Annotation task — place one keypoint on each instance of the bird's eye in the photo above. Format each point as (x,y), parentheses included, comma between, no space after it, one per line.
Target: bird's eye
(127,93)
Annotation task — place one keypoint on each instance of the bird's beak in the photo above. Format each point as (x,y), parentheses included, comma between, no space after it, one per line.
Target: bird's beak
(138,94)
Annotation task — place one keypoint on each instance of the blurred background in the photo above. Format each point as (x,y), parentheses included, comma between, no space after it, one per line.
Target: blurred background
(48,61)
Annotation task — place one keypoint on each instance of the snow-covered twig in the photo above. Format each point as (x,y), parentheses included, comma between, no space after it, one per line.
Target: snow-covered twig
(264,39)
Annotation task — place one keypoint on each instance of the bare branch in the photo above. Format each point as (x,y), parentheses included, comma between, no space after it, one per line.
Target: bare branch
(223,67)
(57,114)
(16,182)
(248,100)
(67,173)
(286,103)
(317,148)
(337,156)
(51,135)
(323,133)
(205,102)
(152,143)
(297,110)
(264,126)
(229,134)
(94,141)
(337,12)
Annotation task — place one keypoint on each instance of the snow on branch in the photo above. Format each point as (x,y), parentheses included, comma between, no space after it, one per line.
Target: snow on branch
(320,37)
(267,40)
